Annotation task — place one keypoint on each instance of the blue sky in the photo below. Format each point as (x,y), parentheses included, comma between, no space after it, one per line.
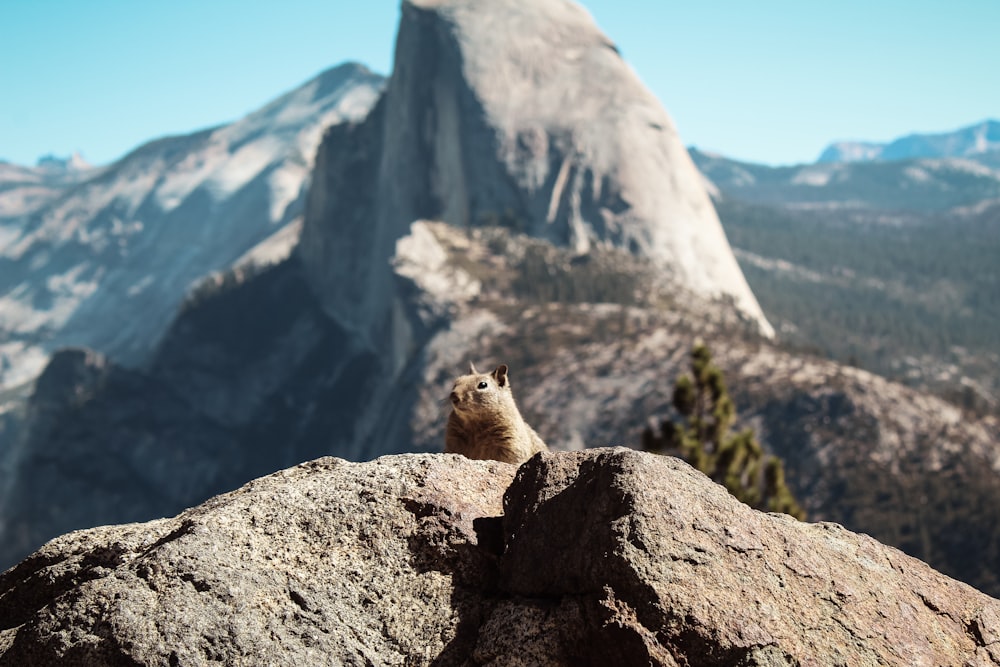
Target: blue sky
(770,81)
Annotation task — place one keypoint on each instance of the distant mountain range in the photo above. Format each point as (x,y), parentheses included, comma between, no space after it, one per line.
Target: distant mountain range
(968,141)
(928,184)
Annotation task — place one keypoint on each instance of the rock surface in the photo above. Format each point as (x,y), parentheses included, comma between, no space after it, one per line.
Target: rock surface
(607,556)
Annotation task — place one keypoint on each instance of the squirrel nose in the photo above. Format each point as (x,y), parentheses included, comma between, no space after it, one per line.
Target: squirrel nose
(454,397)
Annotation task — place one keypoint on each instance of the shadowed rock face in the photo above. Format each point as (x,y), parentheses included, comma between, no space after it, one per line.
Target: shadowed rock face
(522,114)
(607,556)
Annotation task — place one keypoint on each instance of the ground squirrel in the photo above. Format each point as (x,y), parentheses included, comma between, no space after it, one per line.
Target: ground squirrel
(485,422)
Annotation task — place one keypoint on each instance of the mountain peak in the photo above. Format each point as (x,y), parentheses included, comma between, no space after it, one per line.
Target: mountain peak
(524,112)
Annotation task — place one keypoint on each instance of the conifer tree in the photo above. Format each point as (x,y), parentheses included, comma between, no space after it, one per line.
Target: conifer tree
(703,439)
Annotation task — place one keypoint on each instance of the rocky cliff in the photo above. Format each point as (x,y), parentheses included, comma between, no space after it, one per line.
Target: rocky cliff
(594,558)
(512,113)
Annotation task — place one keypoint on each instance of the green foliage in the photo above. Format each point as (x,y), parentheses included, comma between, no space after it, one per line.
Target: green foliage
(704,440)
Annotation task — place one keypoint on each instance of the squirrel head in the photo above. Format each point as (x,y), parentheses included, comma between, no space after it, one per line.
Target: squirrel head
(481,392)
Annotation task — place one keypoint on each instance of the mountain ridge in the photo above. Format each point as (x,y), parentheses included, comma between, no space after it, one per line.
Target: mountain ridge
(88,263)
(910,185)
(968,141)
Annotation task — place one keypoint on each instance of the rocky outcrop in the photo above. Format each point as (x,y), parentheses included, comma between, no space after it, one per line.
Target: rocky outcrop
(601,557)
(512,113)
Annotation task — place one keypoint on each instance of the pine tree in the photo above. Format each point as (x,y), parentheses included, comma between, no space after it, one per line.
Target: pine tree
(703,439)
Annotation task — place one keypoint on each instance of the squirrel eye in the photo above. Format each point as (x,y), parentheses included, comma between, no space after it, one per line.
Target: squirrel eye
(482,385)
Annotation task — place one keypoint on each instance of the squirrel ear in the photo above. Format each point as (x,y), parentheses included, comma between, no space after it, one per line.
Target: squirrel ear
(472,369)
(500,375)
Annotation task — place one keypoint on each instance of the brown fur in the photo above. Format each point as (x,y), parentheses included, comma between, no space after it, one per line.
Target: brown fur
(485,422)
